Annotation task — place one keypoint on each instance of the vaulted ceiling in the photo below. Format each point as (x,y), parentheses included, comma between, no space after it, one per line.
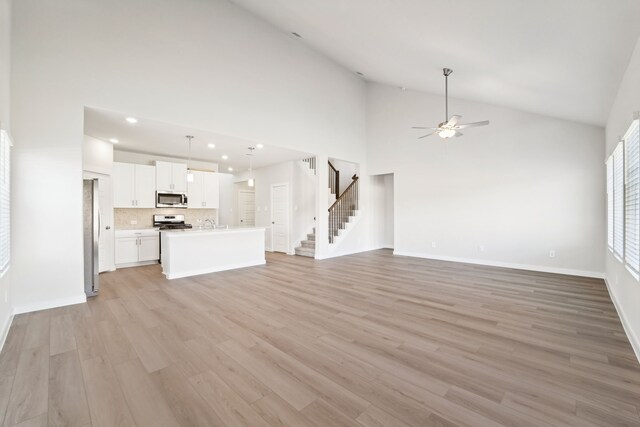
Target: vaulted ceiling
(563,58)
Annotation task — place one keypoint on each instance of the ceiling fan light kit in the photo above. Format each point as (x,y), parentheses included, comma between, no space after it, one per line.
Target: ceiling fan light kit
(450,127)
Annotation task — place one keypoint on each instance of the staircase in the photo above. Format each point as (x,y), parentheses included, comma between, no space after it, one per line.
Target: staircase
(308,247)
(343,210)
(343,207)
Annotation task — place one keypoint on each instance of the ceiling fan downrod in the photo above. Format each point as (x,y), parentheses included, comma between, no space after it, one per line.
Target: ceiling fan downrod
(447,72)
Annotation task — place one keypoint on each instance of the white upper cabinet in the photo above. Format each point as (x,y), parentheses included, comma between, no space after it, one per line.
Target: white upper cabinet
(133,186)
(171,177)
(179,177)
(123,179)
(195,191)
(211,190)
(145,186)
(204,190)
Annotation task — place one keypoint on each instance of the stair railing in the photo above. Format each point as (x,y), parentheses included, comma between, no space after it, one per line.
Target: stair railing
(311,161)
(334,180)
(344,207)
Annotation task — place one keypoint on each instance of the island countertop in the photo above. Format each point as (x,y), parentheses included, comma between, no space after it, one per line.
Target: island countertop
(210,230)
(190,252)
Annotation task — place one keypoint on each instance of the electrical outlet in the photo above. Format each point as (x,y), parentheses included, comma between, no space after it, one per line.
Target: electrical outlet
(481,248)
(552,253)
(433,244)
(134,222)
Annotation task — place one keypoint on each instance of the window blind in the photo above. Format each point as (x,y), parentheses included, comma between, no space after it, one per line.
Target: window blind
(5,200)
(618,201)
(610,202)
(632,199)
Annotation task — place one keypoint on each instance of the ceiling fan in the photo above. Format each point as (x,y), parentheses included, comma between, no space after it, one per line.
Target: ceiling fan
(449,128)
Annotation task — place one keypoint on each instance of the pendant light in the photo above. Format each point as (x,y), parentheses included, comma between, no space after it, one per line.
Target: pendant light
(189,173)
(251,181)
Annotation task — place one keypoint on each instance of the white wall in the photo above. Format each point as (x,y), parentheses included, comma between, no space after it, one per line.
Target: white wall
(281,173)
(520,187)
(303,202)
(97,155)
(347,170)
(150,159)
(227,201)
(625,290)
(202,64)
(5,48)
(302,198)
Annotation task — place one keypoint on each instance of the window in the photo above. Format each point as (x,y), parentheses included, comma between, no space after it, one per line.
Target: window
(610,203)
(618,201)
(623,200)
(5,201)
(632,202)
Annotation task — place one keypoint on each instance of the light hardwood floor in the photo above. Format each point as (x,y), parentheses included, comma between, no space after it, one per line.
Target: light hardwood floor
(364,340)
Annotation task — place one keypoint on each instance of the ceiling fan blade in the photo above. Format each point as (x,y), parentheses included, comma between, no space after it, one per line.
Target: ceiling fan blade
(422,127)
(472,125)
(458,135)
(453,120)
(424,136)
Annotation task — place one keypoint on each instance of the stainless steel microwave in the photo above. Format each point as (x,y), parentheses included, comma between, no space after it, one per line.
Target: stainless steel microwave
(171,200)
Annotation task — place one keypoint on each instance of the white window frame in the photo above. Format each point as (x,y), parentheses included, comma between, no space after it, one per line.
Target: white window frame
(610,203)
(632,193)
(618,202)
(5,201)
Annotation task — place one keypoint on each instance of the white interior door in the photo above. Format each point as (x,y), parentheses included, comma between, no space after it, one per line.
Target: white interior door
(247,208)
(280,218)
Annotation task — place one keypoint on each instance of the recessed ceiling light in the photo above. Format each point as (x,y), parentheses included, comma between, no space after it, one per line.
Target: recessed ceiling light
(230,169)
(296,34)
(225,157)
(113,141)
(131,120)
(211,145)
(259,146)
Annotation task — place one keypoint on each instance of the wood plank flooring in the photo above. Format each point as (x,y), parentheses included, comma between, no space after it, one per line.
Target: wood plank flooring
(363,340)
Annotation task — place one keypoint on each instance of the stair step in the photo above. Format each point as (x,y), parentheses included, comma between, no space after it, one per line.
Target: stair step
(311,237)
(308,244)
(311,253)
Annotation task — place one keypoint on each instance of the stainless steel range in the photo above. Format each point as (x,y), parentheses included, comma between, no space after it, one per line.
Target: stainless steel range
(169,222)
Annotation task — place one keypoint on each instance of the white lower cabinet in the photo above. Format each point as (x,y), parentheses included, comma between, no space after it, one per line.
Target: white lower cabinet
(149,248)
(137,247)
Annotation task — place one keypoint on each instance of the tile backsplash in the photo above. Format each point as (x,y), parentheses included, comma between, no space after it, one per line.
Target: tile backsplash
(122,217)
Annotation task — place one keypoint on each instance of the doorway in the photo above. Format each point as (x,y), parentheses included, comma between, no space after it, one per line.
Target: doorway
(280,218)
(382,202)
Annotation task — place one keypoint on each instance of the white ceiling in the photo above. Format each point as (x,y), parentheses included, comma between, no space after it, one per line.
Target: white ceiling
(164,139)
(563,58)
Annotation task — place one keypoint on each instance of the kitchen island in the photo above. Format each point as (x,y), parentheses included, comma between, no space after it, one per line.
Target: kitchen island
(200,251)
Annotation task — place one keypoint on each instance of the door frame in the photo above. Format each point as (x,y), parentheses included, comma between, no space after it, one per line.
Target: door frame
(286,185)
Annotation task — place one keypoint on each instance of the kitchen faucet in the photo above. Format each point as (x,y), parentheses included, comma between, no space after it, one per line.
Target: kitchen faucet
(213,223)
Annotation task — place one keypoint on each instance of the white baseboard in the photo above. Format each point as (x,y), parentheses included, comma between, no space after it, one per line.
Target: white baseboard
(5,331)
(43,305)
(631,336)
(529,267)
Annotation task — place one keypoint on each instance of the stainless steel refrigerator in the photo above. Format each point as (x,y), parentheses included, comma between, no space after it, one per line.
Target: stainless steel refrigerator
(91,215)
